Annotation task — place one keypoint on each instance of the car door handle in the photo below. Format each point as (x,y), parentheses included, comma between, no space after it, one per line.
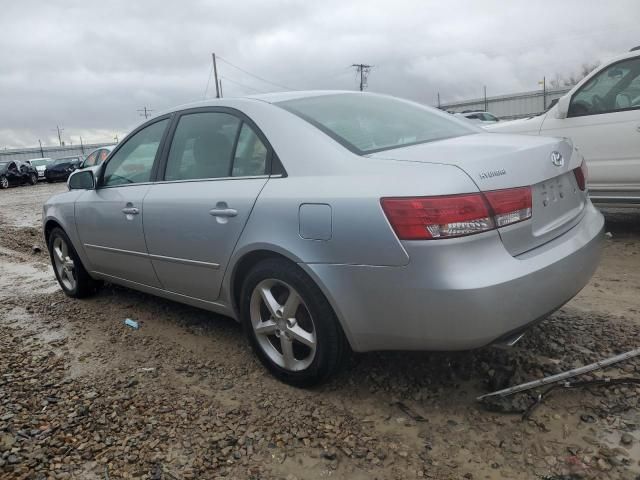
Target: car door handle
(223,212)
(130,211)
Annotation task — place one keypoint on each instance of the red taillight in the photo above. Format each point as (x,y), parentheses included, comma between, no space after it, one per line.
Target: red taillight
(423,218)
(581,174)
(510,206)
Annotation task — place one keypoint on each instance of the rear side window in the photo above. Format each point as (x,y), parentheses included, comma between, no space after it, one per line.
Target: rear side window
(371,123)
(202,146)
(133,161)
(250,158)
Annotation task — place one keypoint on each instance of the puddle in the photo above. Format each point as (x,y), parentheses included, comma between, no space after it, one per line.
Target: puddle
(15,278)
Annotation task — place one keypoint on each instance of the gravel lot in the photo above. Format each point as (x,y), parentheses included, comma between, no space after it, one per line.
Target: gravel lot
(83,396)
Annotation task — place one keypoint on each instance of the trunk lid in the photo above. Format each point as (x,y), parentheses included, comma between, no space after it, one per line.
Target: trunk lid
(499,161)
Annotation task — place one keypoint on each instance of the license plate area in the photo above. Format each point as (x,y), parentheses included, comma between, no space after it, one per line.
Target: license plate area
(556,202)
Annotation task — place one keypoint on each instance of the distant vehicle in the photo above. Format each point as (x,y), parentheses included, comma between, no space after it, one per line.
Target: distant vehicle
(61,168)
(323,220)
(479,117)
(97,156)
(40,164)
(14,172)
(601,114)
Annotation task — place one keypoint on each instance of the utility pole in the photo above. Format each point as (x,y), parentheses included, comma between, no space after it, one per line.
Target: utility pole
(116,138)
(543,82)
(486,105)
(438,99)
(59,134)
(145,112)
(41,150)
(363,69)
(220,82)
(215,75)
(81,145)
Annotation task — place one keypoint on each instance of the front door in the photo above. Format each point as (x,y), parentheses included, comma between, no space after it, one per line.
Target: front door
(215,169)
(604,123)
(110,218)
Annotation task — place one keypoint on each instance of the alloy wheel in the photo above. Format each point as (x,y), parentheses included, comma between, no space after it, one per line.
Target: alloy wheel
(64,264)
(4,183)
(283,325)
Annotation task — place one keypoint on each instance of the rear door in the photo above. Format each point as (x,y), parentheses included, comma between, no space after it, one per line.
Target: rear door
(109,218)
(213,171)
(604,123)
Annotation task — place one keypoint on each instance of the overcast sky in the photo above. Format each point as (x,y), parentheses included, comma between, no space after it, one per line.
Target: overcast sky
(89,65)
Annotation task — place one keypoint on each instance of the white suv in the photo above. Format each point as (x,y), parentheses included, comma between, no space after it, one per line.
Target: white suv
(601,114)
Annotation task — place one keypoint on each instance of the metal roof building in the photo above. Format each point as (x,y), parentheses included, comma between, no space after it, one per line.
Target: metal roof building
(517,105)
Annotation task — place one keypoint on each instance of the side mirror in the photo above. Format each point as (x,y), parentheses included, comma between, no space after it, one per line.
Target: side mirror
(82,180)
(562,107)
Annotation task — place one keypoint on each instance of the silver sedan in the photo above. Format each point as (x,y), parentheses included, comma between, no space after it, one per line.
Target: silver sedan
(329,221)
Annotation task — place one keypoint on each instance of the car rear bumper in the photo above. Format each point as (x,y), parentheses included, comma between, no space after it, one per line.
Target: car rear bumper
(461,293)
(56,176)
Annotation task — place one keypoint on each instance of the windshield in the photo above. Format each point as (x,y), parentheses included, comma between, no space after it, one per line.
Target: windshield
(371,123)
(38,163)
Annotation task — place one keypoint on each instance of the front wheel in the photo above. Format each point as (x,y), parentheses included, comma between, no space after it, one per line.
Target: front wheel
(71,274)
(33,179)
(4,182)
(290,325)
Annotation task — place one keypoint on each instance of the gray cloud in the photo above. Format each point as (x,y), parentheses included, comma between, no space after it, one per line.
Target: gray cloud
(88,66)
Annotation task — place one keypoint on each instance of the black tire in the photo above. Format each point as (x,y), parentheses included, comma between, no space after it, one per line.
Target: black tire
(33,179)
(331,344)
(84,285)
(4,182)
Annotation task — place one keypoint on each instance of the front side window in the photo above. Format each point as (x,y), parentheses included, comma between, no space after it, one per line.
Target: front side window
(90,161)
(133,162)
(250,158)
(202,146)
(371,123)
(102,155)
(615,88)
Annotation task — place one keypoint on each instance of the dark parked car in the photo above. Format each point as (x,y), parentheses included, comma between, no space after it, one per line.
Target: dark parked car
(61,168)
(13,172)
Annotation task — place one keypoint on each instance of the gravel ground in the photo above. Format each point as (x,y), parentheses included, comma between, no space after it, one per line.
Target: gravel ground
(83,396)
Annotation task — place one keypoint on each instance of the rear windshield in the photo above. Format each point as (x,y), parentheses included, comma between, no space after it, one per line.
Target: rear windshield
(38,163)
(65,160)
(372,123)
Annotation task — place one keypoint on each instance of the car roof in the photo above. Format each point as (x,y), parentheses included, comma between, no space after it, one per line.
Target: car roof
(273,97)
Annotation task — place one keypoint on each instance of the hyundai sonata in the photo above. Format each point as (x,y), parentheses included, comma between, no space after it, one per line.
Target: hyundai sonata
(329,221)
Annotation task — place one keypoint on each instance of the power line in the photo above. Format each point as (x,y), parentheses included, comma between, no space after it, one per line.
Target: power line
(253,74)
(243,85)
(363,69)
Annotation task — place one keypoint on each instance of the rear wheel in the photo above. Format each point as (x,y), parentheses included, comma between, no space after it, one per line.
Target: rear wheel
(33,179)
(290,324)
(71,274)
(4,182)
